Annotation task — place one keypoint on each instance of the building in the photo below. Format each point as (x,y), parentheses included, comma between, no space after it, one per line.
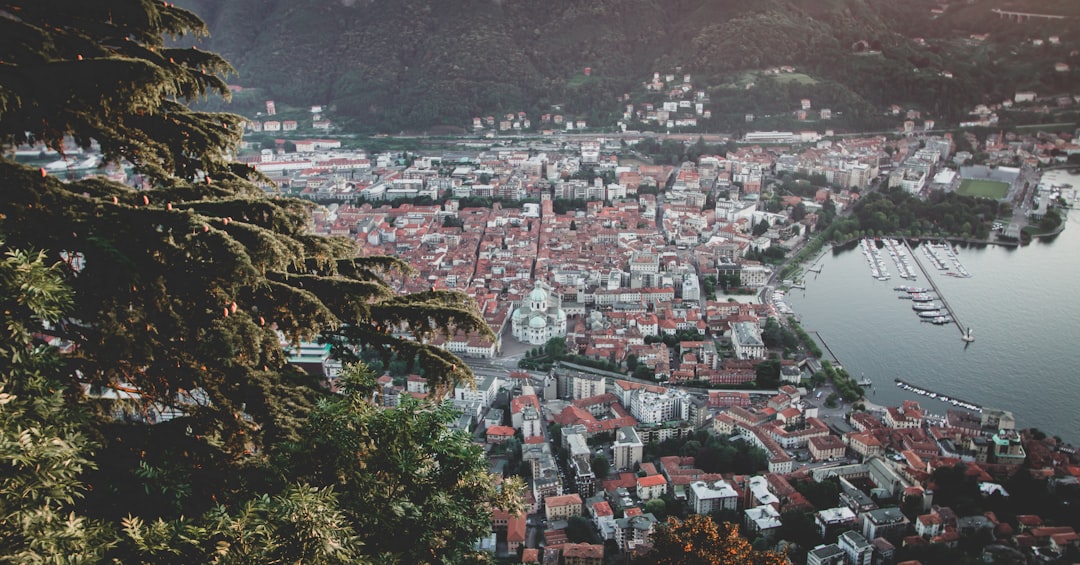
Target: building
(635,530)
(864,444)
(515,532)
(888,523)
(1007,448)
(764,521)
(628,449)
(825,555)
(540,317)
(832,520)
(746,340)
(858,550)
(654,408)
(705,497)
(652,486)
(483,393)
(825,448)
(583,554)
(563,507)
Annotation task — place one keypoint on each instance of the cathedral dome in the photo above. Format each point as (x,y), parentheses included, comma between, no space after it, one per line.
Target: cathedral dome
(538,295)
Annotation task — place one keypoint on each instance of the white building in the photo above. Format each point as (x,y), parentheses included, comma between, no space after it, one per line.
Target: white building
(746,340)
(754,275)
(628,449)
(540,317)
(654,408)
(763,520)
(705,497)
(859,551)
(532,424)
(484,392)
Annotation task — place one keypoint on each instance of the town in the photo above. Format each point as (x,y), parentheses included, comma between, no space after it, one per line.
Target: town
(523,292)
(641,365)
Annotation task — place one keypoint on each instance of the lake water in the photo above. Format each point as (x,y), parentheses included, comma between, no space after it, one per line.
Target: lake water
(1022,303)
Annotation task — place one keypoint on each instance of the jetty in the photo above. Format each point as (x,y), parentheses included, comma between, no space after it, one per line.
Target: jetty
(827,348)
(934,395)
(965,332)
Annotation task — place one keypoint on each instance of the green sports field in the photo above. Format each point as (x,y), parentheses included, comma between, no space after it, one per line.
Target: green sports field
(983,188)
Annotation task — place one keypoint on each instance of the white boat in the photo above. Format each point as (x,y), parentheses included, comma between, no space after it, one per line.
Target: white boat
(90,162)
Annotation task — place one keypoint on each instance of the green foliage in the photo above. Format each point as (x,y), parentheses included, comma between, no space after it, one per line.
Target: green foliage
(580,530)
(767,373)
(824,494)
(431,484)
(172,297)
(1050,222)
(893,211)
(712,454)
(658,508)
(405,68)
(846,386)
(804,337)
(104,72)
(600,466)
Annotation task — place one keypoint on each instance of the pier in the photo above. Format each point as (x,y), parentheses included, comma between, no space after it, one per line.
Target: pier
(941,296)
(934,395)
(814,266)
(827,348)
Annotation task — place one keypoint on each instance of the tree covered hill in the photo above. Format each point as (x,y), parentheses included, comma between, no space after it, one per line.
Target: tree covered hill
(417,63)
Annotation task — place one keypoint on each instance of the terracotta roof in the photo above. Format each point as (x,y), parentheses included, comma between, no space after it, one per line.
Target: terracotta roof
(651,481)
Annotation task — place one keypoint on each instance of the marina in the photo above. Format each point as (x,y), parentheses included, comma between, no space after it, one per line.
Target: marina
(878,270)
(950,264)
(997,370)
(899,254)
(931,394)
(948,311)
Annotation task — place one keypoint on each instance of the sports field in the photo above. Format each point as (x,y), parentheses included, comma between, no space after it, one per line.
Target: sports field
(983,188)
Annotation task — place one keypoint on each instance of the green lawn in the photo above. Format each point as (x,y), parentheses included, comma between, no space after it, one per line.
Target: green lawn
(983,188)
(799,78)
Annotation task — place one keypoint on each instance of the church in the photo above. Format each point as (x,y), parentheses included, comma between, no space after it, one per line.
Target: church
(540,317)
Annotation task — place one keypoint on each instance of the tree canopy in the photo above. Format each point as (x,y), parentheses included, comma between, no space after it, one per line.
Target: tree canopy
(699,540)
(170,422)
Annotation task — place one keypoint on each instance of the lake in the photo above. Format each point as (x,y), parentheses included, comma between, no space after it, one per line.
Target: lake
(1022,304)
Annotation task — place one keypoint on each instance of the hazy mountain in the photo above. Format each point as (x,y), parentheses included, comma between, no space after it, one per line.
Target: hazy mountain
(396,64)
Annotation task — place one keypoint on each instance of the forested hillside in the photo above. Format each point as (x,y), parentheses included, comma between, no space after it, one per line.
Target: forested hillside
(403,64)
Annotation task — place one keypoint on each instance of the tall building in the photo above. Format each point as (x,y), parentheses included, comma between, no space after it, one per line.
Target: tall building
(628,449)
(859,551)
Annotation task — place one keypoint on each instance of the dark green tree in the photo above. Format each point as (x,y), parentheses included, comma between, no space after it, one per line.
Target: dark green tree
(768,373)
(184,287)
(580,530)
(600,466)
(431,483)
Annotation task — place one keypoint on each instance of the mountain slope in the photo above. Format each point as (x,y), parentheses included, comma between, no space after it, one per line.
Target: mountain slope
(397,64)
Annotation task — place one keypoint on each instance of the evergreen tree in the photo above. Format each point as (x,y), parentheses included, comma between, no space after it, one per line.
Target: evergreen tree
(185,286)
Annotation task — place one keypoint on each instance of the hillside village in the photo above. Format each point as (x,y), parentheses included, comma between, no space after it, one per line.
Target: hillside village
(650,270)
